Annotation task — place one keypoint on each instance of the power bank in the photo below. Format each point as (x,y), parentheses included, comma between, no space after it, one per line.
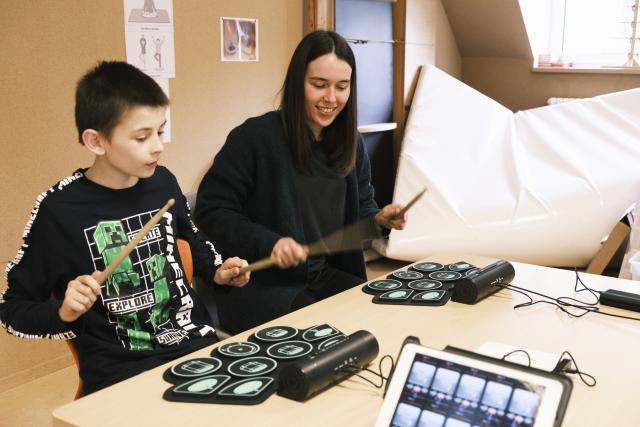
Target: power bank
(620,299)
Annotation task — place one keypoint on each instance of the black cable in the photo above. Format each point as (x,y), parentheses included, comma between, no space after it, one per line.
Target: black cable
(581,304)
(354,369)
(518,351)
(554,301)
(562,366)
(582,375)
(586,288)
(562,302)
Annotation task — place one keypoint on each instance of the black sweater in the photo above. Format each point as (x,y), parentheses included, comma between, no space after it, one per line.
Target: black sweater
(247,202)
(146,313)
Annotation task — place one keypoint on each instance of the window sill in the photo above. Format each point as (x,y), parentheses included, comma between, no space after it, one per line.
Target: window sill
(578,70)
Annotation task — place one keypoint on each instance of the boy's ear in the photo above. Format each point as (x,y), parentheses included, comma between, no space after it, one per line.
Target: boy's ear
(94,141)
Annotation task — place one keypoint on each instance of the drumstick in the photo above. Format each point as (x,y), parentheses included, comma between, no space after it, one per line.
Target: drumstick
(408,205)
(133,242)
(348,238)
(258,265)
(345,239)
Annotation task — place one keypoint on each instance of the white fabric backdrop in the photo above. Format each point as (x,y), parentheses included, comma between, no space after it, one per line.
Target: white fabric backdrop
(542,186)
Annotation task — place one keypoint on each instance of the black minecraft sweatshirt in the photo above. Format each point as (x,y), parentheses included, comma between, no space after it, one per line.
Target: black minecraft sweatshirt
(147,313)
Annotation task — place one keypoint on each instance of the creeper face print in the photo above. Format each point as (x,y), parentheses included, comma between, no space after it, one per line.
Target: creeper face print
(110,239)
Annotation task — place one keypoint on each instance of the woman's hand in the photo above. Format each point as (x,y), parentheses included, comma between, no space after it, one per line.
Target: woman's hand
(80,295)
(229,273)
(388,217)
(288,253)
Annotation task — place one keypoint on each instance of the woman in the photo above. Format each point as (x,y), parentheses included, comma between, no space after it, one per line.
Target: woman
(287,178)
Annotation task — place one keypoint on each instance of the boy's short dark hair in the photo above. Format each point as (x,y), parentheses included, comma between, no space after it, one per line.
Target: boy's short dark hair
(110,89)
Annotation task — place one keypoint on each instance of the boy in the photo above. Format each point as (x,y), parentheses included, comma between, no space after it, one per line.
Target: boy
(145,313)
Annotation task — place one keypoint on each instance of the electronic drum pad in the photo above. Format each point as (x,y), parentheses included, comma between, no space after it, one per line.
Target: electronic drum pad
(246,372)
(424,283)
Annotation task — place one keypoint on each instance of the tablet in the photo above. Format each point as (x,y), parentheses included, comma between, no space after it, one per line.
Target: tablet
(434,388)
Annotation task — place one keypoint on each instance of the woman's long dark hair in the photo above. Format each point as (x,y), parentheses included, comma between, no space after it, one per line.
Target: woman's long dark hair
(340,138)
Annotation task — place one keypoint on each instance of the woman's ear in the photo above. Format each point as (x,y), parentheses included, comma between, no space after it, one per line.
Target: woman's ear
(94,141)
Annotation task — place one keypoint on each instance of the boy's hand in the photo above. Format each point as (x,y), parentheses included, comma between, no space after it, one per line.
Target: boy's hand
(228,273)
(80,295)
(387,217)
(288,253)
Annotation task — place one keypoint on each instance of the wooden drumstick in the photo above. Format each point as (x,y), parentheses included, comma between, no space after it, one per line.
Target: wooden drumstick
(335,243)
(133,242)
(258,265)
(345,239)
(408,205)
(265,263)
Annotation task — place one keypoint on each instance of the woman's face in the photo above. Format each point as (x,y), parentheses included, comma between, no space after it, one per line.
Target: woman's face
(327,85)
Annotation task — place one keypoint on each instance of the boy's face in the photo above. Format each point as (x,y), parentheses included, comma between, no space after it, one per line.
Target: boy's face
(135,146)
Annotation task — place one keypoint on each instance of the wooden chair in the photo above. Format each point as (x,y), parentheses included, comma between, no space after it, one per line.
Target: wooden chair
(187,260)
(74,352)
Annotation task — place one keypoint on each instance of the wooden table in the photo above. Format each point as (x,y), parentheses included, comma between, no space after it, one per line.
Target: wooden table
(608,348)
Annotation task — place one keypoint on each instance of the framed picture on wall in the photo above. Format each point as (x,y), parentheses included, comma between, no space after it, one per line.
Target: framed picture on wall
(238,39)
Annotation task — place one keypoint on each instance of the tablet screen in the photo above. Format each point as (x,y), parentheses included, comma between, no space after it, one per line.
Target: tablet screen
(444,393)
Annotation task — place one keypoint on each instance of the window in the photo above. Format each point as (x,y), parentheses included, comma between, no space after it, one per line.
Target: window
(583,33)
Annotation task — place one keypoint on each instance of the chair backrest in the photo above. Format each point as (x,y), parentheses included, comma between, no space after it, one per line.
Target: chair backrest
(187,260)
(74,352)
(187,263)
